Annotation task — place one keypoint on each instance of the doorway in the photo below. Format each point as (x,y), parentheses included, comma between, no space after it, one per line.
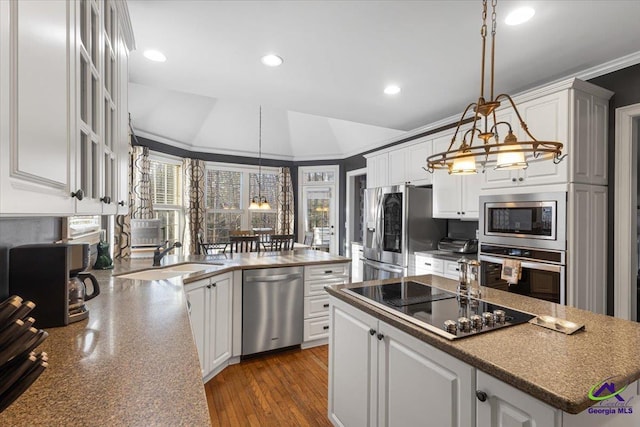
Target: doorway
(625,251)
(356,184)
(318,217)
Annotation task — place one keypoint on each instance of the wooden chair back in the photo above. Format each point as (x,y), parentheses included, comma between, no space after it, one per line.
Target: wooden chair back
(244,244)
(263,235)
(235,233)
(281,242)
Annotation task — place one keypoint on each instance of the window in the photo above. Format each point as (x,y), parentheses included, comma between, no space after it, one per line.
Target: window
(166,196)
(229,190)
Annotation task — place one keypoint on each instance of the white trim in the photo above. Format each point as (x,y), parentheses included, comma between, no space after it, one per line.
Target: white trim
(349,196)
(237,167)
(334,201)
(610,67)
(165,158)
(625,225)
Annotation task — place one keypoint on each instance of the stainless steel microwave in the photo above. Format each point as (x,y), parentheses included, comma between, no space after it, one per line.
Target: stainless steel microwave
(533,220)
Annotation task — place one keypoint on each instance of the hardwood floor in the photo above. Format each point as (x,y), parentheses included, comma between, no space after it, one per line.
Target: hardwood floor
(280,389)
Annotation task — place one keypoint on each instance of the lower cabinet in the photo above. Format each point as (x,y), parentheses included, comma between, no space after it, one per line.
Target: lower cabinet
(500,404)
(356,262)
(316,300)
(379,375)
(210,311)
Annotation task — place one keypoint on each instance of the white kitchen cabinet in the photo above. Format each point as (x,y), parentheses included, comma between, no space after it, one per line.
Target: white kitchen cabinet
(378,170)
(210,312)
(586,247)
(451,270)
(406,165)
(61,121)
(122,190)
(356,262)
(379,375)
(499,404)
(428,265)
(573,113)
(315,329)
(37,116)
(454,196)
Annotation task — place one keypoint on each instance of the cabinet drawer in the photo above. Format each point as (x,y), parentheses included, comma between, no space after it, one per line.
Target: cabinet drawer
(316,287)
(451,270)
(316,306)
(428,265)
(315,329)
(315,272)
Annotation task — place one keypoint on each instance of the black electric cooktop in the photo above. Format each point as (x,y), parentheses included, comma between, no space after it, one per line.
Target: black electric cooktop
(443,312)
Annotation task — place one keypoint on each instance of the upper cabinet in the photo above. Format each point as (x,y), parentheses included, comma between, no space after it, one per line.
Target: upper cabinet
(454,196)
(574,113)
(403,165)
(37,115)
(63,77)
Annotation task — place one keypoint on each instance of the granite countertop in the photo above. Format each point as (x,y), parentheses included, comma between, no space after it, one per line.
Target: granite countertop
(556,368)
(134,360)
(447,255)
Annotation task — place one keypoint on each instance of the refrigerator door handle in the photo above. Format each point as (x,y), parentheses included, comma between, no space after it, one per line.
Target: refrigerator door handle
(383,267)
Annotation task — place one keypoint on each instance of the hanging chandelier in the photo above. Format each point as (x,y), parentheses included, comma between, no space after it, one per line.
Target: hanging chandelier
(259,202)
(507,155)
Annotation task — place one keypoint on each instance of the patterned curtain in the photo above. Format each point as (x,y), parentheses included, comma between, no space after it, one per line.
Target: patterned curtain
(193,203)
(141,207)
(284,202)
(123,222)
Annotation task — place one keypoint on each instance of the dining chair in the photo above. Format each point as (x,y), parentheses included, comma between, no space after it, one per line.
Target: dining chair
(240,233)
(240,244)
(264,234)
(281,242)
(308,238)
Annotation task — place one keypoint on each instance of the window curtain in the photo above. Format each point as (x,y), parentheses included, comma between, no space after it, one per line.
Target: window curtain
(284,202)
(193,203)
(140,206)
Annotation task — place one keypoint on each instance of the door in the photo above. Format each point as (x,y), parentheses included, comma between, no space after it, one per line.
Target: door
(499,404)
(319,202)
(352,367)
(220,324)
(418,382)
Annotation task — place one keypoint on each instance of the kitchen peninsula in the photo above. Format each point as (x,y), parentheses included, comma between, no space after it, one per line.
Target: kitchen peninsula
(400,373)
(134,361)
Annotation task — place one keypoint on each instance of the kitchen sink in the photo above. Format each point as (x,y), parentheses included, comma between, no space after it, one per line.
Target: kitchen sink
(169,271)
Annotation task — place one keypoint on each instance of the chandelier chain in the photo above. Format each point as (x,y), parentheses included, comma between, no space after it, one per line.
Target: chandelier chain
(493,17)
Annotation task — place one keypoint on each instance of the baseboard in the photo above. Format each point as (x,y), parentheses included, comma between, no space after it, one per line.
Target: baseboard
(315,343)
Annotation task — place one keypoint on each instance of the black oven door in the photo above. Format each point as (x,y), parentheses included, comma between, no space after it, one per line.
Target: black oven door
(539,280)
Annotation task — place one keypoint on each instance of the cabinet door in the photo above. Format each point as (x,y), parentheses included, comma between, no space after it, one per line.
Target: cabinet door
(382,170)
(352,366)
(416,162)
(397,167)
(508,406)
(356,263)
(417,382)
(546,118)
(470,199)
(493,178)
(220,321)
(122,192)
(372,173)
(197,294)
(447,189)
(37,142)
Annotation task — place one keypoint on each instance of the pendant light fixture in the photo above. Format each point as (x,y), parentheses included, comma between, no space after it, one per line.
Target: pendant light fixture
(259,202)
(510,154)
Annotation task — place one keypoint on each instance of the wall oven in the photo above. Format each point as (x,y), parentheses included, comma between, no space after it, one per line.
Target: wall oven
(543,271)
(535,220)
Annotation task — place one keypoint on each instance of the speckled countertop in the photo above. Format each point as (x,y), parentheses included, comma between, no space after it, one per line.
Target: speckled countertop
(556,368)
(134,361)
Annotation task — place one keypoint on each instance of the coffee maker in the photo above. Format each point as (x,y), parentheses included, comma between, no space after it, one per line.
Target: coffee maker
(52,276)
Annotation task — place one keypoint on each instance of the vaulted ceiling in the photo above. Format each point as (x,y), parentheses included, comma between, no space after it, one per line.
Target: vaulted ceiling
(326,100)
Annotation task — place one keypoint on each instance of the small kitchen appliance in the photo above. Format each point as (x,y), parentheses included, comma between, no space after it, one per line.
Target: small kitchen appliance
(53,277)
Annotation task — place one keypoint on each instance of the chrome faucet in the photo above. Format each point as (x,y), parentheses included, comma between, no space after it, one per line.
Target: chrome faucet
(158,254)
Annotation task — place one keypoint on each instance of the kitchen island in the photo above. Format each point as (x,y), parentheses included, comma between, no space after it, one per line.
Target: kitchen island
(520,375)
(134,360)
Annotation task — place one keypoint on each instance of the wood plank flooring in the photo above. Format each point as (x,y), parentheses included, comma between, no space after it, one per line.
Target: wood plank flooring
(280,389)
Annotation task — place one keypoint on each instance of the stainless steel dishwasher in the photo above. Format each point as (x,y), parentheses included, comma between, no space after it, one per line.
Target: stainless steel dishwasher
(272,308)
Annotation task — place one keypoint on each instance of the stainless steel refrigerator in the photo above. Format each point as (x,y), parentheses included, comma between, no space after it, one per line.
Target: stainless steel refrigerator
(398,222)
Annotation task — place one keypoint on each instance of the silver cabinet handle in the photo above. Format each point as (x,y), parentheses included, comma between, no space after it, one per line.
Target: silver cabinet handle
(274,278)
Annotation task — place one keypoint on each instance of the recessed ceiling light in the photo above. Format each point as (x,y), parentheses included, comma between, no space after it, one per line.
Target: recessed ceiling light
(392,90)
(519,16)
(154,55)
(272,60)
